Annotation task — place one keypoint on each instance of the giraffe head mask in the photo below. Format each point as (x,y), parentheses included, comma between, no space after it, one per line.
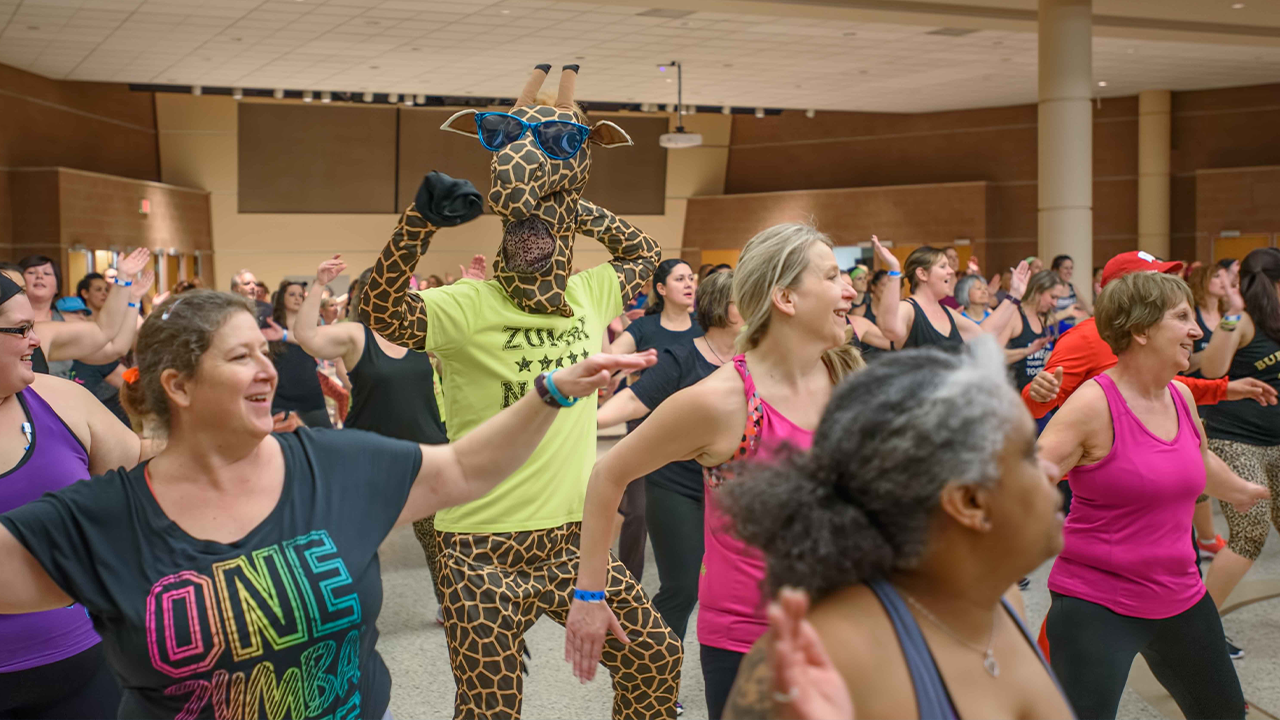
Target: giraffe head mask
(541,160)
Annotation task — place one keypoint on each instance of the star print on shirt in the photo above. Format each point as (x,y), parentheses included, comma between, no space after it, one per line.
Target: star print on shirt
(559,362)
(573,357)
(546,363)
(523,364)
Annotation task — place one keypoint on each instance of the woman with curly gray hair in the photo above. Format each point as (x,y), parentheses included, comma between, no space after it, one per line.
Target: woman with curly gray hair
(921,503)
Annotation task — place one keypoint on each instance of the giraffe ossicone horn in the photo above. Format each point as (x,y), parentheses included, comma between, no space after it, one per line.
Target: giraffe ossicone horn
(568,80)
(530,93)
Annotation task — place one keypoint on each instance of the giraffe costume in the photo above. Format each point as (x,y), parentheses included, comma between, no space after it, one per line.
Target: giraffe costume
(512,556)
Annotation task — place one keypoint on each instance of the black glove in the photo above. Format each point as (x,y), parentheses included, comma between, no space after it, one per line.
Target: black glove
(445,202)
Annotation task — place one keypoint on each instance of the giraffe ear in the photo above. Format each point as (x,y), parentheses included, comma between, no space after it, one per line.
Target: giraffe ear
(606,134)
(463,123)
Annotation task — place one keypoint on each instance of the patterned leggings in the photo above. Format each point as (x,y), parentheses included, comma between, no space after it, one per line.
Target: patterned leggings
(496,586)
(425,531)
(1260,465)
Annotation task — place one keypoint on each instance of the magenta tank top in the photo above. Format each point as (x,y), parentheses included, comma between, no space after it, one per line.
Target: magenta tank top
(731,610)
(54,459)
(1125,542)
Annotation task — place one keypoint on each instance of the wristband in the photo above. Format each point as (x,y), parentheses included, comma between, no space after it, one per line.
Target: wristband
(124,283)
(133,304)
(895,273)
(555,393)
(1229,322)
(1016,302)
(285,336)
(588,596)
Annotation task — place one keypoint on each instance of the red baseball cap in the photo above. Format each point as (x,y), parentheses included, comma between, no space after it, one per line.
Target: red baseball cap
(1137,261)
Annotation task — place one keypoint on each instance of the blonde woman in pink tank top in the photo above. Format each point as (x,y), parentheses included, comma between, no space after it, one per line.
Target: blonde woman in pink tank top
(1135,453)
(794,349)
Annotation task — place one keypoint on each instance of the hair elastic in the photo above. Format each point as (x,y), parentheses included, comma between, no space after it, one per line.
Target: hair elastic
(132,375)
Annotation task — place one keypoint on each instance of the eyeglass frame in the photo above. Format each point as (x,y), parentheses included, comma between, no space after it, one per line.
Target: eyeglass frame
(21,331)
(528,127)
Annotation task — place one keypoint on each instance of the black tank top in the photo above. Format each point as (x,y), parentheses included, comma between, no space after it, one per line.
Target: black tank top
(1026,369)
(1246,421)
(298,388)
(394,397)
(923,334)
(1203,342)
(38,362)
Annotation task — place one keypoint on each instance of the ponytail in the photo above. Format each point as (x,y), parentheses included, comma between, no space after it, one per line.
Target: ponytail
(1259,274)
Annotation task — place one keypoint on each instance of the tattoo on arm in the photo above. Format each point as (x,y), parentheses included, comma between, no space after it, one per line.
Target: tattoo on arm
(751,697)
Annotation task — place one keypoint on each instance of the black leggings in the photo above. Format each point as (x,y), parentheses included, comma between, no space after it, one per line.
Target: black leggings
(80,687)
(675,531)
(1091,649)
(632,537)
(719,670)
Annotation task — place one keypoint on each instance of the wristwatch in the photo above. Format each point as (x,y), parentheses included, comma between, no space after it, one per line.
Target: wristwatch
(549,394)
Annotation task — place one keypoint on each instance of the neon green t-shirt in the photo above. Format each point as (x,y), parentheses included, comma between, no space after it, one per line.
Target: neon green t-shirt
(491,352)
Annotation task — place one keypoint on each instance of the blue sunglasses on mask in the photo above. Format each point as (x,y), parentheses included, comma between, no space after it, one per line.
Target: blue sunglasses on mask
(559,139)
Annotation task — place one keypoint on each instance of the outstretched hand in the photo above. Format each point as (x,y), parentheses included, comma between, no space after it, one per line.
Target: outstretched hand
(806,684)
(884,256)
(141,284)
(1018,281)
(329,270)
(585,377)
(477,269)
(974,268)
(272,332)
(1252,389)
(1044,387)
(130,265)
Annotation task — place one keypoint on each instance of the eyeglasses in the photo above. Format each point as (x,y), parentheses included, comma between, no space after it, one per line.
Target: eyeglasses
(559,139)
(21,331)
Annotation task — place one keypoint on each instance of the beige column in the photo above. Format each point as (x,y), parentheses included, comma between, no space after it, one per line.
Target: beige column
(1154,129)
(1066,135)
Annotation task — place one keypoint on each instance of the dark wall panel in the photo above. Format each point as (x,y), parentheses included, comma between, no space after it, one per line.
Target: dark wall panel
(99,127)
(627,180)
(307,159)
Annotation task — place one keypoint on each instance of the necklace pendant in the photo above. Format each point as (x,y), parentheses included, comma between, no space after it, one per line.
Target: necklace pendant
(990,665)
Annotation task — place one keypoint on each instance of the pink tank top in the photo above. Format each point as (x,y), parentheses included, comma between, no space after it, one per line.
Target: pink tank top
(1125,542)
(731,610)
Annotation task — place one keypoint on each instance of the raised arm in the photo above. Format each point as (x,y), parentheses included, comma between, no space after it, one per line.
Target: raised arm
(1065,439)
(122,342)
(635,254)
(467,469)
(1220,481)
(1005,312)
(344,341)
(392,311)
(112,334)
(1230,336)
(893,317)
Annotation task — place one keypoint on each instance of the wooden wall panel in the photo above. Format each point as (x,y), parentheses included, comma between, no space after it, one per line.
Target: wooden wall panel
(305,159)
(627,180)
(849,216)
(102,213)
(34,195)
(90,126)
(1246,200)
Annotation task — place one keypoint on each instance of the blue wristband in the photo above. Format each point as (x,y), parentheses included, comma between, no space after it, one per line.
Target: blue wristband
(895,273)
(126,283)
(133,304)
(555,392)
(590,596)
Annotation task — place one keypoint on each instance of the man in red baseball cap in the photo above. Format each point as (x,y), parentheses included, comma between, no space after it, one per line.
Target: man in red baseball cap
(1081,353)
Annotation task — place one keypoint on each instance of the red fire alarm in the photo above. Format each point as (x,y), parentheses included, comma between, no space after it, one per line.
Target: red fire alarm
(144,207)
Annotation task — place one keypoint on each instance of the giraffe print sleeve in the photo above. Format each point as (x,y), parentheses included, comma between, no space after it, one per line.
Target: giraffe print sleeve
(635,254)
(391,310)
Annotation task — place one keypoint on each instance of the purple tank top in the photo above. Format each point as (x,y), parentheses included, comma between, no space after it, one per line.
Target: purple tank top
(1125,542)
(54,460)
(731,610)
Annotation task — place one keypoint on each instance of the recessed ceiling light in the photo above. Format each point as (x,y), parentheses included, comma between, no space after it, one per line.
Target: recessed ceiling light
(279,93)
(1237,6)
(368,97)
(237,93)
(307,96)
(506,12)
(393,98)
(669,80)
(810,113)
(726,110)
(1102,83)
(326,96)
(759,112)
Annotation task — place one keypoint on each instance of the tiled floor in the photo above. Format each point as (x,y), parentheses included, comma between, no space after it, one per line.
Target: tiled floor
(414,648)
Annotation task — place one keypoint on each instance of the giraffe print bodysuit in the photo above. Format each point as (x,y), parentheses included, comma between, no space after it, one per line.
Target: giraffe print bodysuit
(498,580)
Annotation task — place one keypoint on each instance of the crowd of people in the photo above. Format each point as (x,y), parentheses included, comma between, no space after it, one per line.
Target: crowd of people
(830,463)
